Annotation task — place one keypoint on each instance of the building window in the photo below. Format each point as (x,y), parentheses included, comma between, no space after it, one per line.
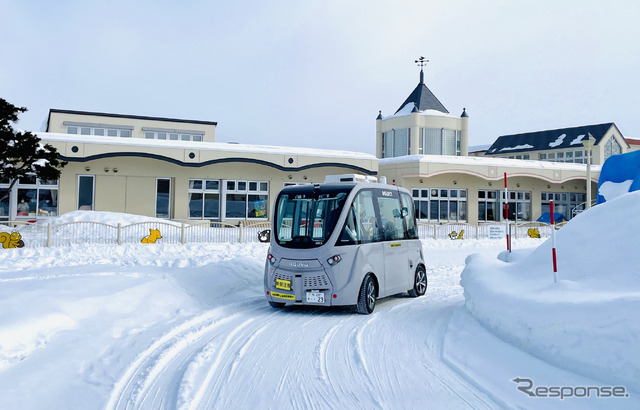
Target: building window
(519,205)
(204,198)
(520,156)
(100,131)
(86,192)
(172,135)
(35,197)
(5,200)
(575,156)
(211,198)
(487,205)
(247,200)
(439,141)
(440,204)
(396,143)
(563,203)
(612,148)
(163,198)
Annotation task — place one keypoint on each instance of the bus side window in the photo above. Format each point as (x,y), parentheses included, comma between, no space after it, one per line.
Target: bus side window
(361,224)
(391,216)
(349,235)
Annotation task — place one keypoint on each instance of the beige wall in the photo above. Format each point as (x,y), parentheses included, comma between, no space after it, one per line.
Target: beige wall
(57,122)
(128,183)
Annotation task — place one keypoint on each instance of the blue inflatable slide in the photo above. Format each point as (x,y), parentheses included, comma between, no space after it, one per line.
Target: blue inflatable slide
(620,174)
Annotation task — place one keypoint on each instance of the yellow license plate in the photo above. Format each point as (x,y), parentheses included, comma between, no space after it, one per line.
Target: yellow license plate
(283,284)
(283,296)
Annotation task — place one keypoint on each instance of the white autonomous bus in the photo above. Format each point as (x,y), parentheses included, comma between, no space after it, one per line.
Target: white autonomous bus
(348,241)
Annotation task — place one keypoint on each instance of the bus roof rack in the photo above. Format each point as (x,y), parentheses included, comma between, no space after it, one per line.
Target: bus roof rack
(350,178)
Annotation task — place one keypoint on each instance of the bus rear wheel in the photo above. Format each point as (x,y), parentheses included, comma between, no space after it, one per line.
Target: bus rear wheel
(276,305)
(367,296)
(419,283)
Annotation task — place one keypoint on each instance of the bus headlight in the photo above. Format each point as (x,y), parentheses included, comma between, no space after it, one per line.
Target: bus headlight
(271,259)
(334,260)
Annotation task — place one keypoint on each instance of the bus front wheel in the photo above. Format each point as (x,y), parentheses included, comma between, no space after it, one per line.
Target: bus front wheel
(367,296)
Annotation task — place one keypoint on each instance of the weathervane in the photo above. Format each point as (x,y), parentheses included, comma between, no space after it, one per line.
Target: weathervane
(422,62)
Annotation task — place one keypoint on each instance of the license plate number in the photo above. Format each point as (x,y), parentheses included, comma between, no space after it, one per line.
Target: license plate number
(283,284)
(315,297)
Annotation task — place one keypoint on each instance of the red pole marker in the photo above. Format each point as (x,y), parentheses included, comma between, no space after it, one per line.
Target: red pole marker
(553,243)
(506,211)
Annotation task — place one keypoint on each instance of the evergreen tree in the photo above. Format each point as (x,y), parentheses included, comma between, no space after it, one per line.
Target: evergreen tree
(22,153)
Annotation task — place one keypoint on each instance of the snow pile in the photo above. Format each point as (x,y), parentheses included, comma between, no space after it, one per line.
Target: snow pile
(611,190)
(558,141)
(577,140)
(109,218)
(588,321)
(517,147)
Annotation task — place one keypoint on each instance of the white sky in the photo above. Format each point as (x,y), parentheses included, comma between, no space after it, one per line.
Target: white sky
(315,73)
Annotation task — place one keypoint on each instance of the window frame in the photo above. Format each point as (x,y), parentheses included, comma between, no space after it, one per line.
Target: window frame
(428,197)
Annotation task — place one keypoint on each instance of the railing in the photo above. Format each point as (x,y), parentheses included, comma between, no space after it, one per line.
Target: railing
(457,231)
(581,208)
(40,235)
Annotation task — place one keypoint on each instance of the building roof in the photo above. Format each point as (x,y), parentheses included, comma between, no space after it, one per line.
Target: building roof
(423,98)
(141,144)
(632,141)
(135,117)
(453,161)
(549,139)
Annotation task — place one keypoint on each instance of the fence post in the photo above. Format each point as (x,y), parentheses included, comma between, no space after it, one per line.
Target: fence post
(182,235)
(119,237)
(49,235)
(435,231)
(477,230)
(240,232)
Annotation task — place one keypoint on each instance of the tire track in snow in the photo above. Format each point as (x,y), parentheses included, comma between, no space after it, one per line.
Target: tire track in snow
(157,372)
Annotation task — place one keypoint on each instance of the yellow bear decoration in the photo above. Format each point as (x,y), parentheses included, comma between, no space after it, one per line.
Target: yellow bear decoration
(154,235)
(455,235)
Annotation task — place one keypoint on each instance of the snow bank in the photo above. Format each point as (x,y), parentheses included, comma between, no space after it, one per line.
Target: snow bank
(588,321)
(109,218)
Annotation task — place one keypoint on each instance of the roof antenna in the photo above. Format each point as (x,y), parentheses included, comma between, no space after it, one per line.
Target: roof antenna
(421,63)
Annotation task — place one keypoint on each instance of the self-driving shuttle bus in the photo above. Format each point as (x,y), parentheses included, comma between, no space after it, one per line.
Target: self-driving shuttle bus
(348,241)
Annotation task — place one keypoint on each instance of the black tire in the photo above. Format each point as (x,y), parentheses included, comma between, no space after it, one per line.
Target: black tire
(419,283)
(367,296)
(276,305)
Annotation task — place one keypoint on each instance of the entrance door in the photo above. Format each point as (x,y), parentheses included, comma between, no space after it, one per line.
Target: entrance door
(396,260)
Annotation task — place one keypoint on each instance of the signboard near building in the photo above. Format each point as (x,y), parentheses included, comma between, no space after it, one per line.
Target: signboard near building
(497,231)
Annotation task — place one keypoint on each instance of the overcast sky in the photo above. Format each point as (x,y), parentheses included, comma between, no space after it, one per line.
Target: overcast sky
(315,73)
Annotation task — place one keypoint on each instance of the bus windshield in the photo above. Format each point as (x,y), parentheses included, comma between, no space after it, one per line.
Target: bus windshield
(306,218)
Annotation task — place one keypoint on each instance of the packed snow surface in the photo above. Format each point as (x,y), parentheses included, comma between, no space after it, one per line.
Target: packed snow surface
(187,326)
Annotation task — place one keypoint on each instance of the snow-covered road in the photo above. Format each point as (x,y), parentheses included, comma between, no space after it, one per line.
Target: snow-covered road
(172,326)
(247,355)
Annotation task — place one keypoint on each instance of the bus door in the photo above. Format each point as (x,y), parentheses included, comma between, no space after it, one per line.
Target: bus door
(396,273)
